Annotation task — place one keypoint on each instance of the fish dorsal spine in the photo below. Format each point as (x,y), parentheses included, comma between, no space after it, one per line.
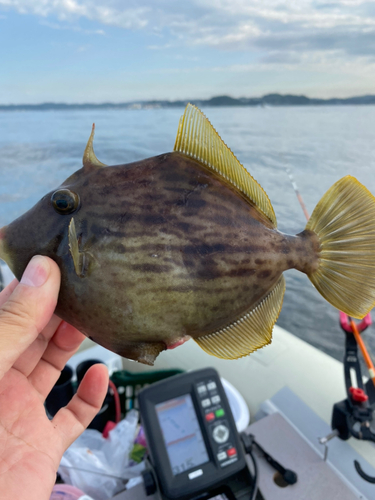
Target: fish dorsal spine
(197,138)
(89,159)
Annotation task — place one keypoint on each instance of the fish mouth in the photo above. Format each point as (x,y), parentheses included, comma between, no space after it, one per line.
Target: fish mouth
(3,254)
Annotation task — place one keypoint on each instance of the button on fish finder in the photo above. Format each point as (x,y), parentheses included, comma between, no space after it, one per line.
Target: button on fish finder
(195,474)
(220,433)
(231,452)
(202,390)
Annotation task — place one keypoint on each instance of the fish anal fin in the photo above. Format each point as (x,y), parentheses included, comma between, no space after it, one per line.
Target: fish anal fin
(89,159)
(197,138)
(249,333)
(83,261)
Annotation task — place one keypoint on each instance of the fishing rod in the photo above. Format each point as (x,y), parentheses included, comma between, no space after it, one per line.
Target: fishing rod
(365,353)
(299,197)
(355,331)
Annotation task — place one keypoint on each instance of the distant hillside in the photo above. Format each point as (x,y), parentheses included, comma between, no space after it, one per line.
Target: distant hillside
(224,100)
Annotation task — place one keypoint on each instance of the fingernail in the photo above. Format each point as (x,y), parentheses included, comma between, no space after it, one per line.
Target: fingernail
(36,272)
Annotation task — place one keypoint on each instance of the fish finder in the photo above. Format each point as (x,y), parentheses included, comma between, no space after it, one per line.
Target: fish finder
(193,443)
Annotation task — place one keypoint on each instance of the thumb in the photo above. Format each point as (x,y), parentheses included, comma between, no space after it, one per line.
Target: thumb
(28,309)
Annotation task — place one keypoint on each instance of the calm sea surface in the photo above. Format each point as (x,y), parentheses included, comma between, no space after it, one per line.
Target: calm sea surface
(38,150)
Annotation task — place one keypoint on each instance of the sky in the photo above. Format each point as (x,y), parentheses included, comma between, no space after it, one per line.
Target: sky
(76,51)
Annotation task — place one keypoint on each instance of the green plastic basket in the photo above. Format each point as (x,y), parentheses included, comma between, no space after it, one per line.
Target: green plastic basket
(129,384)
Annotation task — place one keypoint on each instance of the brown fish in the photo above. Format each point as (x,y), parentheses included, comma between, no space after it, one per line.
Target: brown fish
(185,244)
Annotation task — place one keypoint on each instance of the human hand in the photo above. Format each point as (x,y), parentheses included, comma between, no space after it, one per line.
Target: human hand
(34,347)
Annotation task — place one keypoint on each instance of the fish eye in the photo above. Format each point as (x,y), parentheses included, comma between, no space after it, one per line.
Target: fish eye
(65,201)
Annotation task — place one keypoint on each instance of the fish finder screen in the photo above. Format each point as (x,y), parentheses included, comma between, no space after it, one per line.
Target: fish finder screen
(182,434)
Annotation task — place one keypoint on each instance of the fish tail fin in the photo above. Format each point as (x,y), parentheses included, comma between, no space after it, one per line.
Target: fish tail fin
(344,221)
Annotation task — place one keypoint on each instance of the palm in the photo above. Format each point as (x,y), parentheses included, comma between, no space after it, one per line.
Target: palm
(31,445)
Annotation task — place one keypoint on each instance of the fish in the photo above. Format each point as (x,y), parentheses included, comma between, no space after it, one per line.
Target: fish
(185,245)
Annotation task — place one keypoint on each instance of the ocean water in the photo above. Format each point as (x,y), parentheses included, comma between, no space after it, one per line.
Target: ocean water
(319,145)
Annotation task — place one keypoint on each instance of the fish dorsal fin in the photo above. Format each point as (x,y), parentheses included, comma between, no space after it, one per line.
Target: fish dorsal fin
(197,138)
(249,333)
(89,158)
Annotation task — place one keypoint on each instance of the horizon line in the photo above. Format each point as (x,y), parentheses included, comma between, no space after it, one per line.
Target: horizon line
(214,100)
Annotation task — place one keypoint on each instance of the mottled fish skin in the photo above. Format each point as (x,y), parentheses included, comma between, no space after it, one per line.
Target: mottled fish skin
(171,249)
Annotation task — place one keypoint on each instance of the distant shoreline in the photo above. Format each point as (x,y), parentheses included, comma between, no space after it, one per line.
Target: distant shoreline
(265,101)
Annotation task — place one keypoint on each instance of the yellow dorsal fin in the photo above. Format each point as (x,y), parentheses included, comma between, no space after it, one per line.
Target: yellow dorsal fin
(249,333)
(197,138)
(89,158)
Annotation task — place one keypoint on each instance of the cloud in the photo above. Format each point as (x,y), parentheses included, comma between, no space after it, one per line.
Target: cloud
(276,30)
(70,27)
(325,62)
(107,12)
(160,47)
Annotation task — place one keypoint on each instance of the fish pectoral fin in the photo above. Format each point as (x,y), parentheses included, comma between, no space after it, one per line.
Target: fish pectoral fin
(82,261)
(197,138)
(249,333)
